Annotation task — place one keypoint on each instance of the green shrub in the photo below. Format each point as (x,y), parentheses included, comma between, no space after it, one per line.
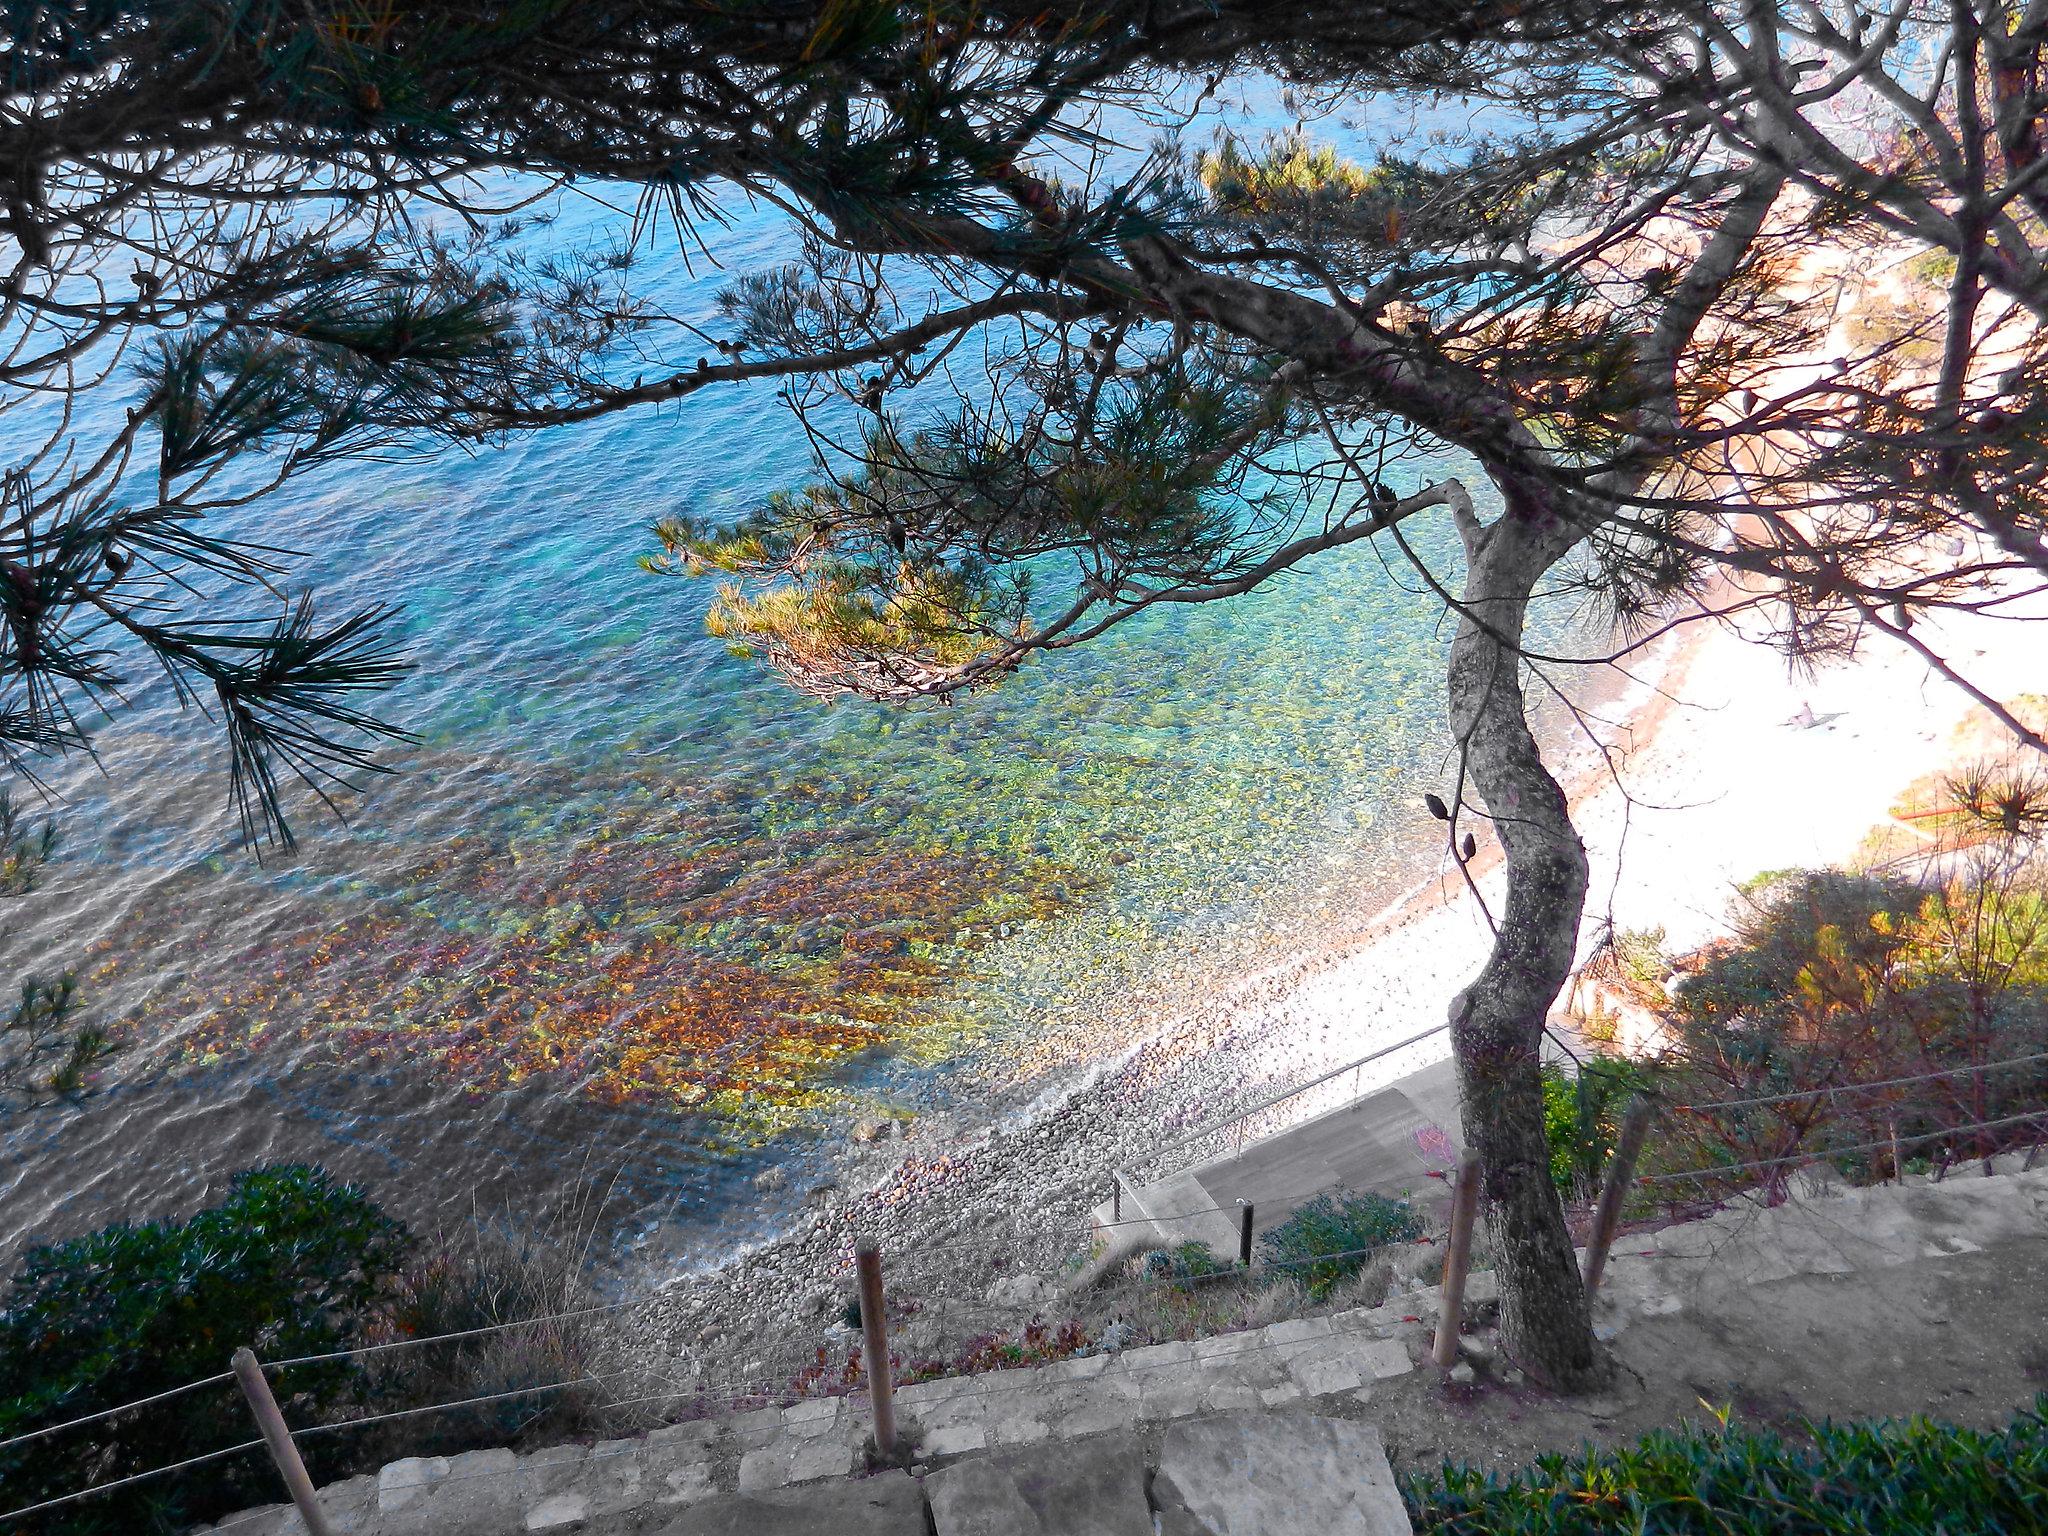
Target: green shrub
(1184,1265)
(1861,1479)
(1582,1115)
(290,1263)
(1835,978)
(1331,1237)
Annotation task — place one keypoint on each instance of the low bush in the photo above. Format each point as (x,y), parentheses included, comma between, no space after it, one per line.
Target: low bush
(1333,1236)
(481,1275)
(1834,979)
(1182,1266)
(290,1263)
(1861,1479)
(1582,1115)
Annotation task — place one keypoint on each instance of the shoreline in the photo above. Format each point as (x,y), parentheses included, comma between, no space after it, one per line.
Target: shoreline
(1182,1052)
(1683,789)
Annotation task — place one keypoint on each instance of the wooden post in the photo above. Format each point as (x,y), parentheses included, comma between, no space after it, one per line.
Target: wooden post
(264,1406)
(874,1330)
(1621,1168)
(1898,1162)
(1244,1235)
(1450,1316)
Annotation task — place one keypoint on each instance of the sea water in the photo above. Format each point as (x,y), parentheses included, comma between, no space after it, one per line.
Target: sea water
(627,914)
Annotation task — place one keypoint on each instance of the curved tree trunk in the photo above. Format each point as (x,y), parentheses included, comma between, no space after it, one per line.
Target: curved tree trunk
(1497,1021)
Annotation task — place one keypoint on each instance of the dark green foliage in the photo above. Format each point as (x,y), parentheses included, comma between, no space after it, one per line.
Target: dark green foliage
(43,1055)
(291,1263)
(1582,1115)
(1184,1265)
(1332,1237)
(24,849)
(1863,1479)
(1851,923)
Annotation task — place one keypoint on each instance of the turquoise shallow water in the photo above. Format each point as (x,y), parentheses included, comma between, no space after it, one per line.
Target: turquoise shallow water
(630,909)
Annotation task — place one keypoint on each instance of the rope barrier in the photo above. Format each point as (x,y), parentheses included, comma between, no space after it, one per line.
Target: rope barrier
(726,1393)
(465,1402)
(764,1390)
(979,1394)
(994,1246)
(469,1333)
(136,1477)
(1889,1082)
(108,1413)
(1261,1267)
(1821,1154)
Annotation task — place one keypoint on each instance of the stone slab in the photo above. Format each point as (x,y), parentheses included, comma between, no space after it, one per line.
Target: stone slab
(474,1494)
(565,1487)
(1250,1474)
(889,1504)
(1076,1488)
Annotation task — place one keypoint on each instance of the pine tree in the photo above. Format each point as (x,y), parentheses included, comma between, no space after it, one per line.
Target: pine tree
(1204,365)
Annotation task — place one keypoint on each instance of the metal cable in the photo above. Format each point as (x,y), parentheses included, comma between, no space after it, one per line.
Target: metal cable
(466,1402)
(1821,1154)
(469,1333)
(107,1413)
(732,1399)
(136,1477)
(1890,1082)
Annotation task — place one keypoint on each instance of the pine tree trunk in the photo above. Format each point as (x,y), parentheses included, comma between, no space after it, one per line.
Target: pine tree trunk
(1497,1021)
